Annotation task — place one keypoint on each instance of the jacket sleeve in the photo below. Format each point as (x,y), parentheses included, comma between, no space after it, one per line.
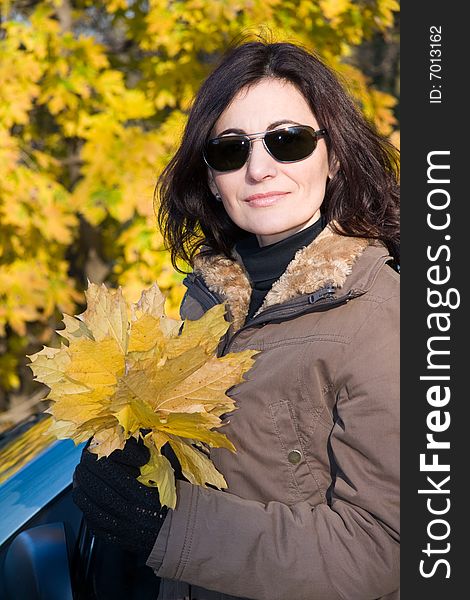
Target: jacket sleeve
(345,549)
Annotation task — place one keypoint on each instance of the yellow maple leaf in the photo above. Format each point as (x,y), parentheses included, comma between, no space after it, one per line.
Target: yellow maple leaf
(205,332)
(74,329)
(95,363)
(49,364)
(129,370)
(146,332)
(107,440)
(195,426)
(151,302)
(106,314)
(159,473)
(207,385)
(196,467)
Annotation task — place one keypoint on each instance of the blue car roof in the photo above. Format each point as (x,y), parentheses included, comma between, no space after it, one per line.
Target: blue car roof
(35,483)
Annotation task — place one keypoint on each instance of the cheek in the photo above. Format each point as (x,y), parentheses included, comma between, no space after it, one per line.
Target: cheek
(229,185)
(311,177)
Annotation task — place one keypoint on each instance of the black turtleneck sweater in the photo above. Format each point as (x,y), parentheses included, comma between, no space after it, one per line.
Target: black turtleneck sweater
(265,264)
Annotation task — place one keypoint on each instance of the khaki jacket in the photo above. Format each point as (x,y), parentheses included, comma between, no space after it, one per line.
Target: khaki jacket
(312,506)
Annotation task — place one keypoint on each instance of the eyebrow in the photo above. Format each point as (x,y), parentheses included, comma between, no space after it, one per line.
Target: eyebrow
(271,126)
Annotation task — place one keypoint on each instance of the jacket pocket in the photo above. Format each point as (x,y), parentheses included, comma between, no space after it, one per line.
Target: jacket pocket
(295,471)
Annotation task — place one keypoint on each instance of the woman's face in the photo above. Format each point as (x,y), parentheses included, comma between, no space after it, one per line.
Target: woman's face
(299,186)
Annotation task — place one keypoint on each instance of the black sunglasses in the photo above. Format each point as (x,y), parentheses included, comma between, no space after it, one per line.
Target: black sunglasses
(290,144)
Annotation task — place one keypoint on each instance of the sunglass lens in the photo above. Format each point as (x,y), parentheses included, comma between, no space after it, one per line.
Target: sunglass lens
(226,154)
(290,145)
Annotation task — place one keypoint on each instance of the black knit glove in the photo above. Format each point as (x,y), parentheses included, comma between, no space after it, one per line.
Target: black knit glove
(116,506)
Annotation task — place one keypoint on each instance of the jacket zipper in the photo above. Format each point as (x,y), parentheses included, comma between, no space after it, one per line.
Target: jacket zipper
(312,304)
(319,300)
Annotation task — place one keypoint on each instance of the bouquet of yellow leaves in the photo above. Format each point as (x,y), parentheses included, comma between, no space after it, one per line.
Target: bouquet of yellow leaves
(132,371)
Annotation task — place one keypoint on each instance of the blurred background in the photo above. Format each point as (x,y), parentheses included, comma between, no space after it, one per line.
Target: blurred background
(94,96)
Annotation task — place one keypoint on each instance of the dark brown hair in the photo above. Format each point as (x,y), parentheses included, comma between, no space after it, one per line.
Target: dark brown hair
(363,196)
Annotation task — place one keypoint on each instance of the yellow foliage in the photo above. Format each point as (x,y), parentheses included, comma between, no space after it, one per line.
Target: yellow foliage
(128,370)
(88,121)
(333,9)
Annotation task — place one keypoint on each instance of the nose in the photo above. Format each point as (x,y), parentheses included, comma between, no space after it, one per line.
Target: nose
(260,163)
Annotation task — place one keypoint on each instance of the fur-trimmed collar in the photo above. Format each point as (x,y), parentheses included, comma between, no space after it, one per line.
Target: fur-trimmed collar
(328,260)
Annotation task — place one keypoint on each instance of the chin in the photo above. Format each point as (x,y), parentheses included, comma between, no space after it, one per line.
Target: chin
(274,228)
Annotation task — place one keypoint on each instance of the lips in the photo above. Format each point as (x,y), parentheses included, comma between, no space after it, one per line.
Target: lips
(258,198)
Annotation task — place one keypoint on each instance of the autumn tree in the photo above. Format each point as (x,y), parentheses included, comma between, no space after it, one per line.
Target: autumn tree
(94,97)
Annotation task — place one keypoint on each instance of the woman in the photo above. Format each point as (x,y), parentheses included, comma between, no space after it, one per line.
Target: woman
(285,202)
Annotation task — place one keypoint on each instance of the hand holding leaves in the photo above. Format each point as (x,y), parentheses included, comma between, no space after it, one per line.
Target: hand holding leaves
(116,506)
